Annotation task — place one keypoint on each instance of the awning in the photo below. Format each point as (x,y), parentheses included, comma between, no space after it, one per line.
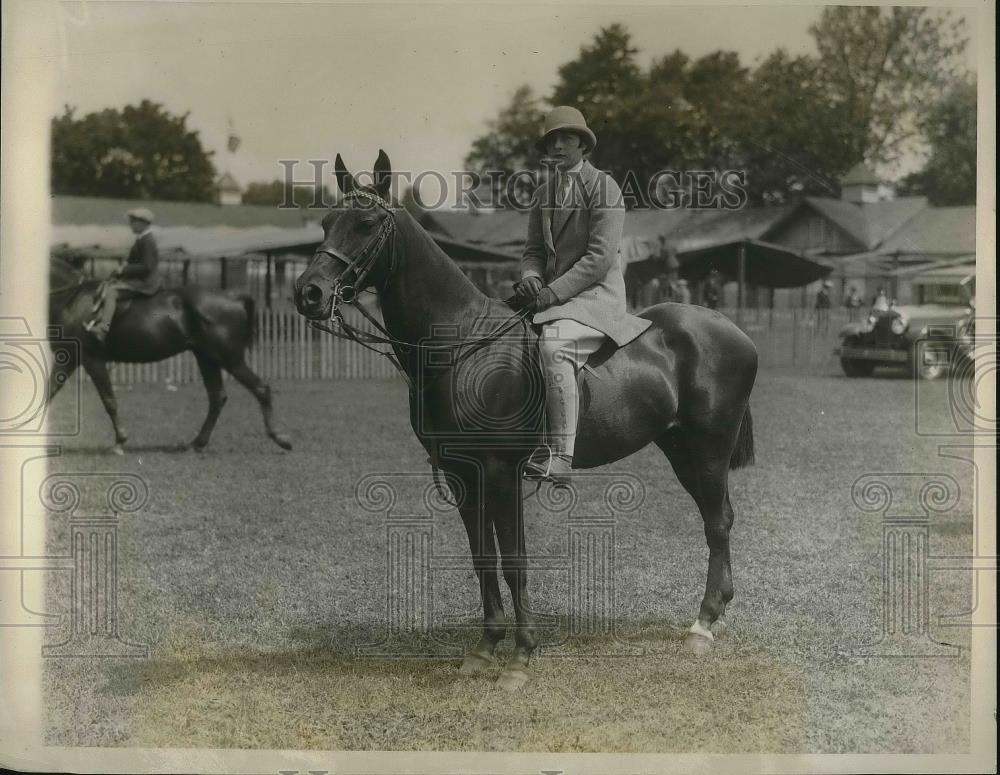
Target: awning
(767,264)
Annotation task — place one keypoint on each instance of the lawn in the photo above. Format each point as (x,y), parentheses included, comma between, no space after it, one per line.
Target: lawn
(253,575)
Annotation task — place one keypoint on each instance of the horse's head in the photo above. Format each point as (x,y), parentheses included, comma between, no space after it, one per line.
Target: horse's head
(356,247)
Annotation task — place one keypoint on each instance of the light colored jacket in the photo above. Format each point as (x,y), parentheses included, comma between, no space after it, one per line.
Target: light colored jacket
(574,249)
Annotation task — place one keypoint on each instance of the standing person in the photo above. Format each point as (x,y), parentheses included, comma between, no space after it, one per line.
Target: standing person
(572,278)
(138,277)
(711,292)
(823,305)
(684,293)
(852,301)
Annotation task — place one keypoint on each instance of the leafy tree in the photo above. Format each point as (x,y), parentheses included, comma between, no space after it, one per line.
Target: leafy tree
(275,193)
(792,124)
(791,135)
(509,145)
(879,66)
(139,152)
(949,176)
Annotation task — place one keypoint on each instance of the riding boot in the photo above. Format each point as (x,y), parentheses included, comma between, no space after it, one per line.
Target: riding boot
(554,462)
(101,324)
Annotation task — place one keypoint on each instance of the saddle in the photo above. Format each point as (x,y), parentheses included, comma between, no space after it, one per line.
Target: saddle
(606,351)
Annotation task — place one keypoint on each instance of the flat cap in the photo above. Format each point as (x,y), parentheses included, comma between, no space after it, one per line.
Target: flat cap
(141,214)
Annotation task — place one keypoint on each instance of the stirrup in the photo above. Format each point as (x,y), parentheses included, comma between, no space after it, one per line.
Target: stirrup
(532,472)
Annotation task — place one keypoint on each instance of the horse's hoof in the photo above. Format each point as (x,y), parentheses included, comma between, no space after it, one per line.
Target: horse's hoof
(512,679)
(476,663)
(697,644)
(117,449)
(198,446)
(282,441)
(719,628)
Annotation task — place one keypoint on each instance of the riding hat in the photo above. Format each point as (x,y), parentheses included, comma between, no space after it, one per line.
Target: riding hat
(569,119)
(141,214)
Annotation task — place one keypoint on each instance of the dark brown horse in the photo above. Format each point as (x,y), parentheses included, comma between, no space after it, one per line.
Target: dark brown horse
(216,328)
(683,385)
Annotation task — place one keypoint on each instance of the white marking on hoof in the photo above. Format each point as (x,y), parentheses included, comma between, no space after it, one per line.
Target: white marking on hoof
(719,627)
(697,629)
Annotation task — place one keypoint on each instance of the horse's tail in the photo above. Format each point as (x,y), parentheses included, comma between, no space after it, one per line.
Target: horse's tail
(743,452)
(250,308)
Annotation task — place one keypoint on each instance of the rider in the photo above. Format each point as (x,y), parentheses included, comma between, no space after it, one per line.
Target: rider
(571,275)
(138,277)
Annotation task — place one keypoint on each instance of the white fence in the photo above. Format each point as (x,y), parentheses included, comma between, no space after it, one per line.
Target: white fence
(286,348)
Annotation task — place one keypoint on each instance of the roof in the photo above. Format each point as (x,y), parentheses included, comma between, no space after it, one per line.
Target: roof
(887,217)
(944,268)
(848,216)
(497,227)
(704,228)
(767,264)
(83,210)
(194,241)
(858,175)
(228,183)
(935,231)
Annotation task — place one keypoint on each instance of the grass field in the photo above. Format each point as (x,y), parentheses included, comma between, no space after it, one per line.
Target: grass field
(252,575)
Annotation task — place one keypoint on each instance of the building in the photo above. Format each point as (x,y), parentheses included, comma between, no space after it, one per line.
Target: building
(227,191)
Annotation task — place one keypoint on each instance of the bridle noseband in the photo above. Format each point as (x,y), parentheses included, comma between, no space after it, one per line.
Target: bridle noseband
(363,264)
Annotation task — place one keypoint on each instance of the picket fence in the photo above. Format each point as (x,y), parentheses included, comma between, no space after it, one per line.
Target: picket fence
(287,349)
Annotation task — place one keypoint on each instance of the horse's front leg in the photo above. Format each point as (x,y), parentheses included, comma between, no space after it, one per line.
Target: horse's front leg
(98,372)
(484,560)
(505,507)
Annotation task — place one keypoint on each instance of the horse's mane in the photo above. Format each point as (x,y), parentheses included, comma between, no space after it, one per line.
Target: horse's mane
(65,278)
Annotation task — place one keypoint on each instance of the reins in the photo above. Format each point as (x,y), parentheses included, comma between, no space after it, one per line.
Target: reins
(362,266)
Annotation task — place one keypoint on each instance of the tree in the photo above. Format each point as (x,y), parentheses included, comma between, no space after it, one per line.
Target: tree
(879,67)
(139,152)
(791,134)
(275,194)
(949,176)
(509,145)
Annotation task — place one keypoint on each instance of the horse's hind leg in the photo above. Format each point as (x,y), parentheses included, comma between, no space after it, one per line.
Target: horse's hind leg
(211,375)
(704,473)
(98,372)
(262,392)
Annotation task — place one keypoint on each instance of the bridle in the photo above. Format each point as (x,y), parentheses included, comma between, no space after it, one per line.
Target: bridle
(362,266)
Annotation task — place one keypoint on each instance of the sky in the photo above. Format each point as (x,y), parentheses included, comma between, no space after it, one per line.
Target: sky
(308,81)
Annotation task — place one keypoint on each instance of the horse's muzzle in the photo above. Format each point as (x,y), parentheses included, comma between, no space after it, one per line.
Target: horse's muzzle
(312,301)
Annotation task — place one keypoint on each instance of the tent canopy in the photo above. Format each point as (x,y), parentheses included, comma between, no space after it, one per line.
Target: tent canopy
(768,265)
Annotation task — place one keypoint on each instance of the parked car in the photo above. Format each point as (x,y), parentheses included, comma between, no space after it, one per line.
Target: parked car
(928,339)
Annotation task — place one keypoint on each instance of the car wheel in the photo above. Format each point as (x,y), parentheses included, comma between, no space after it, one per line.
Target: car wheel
(855,368)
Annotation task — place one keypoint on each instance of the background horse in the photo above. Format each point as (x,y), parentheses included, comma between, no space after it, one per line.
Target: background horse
(216,328)
(684,385)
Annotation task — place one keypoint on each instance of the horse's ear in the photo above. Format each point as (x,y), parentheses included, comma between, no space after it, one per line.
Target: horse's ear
(383,174)
(344,178)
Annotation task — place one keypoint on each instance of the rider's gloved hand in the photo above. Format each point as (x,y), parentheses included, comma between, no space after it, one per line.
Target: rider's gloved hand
(545,299)
(526,290)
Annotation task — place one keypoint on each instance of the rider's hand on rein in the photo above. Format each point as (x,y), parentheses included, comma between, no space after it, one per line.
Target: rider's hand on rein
(527,289)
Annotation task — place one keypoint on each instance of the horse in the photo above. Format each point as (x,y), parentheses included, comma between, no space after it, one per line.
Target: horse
(683,385)
(216,328)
